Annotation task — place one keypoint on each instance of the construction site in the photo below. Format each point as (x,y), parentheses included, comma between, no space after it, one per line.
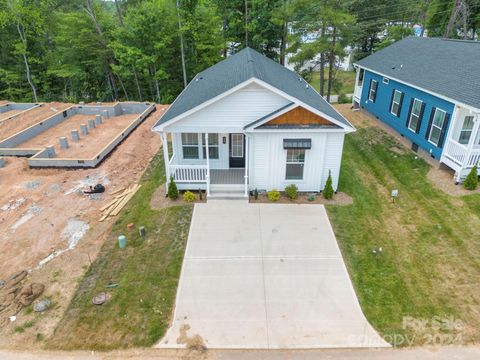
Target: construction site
(50,228)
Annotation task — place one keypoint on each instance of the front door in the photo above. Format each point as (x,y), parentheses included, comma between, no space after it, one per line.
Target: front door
(237,151)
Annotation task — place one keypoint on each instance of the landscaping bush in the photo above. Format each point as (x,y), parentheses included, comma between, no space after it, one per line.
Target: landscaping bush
(172,189)
(328,190)
(311,197)
(471,182)
(291,191)
(188,196)
(255,194)
(273,195)
(344,99)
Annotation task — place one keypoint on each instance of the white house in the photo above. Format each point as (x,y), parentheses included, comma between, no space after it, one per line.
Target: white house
(248,122)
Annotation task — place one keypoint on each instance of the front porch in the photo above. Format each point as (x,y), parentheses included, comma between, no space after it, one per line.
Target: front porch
(462,148)
(214,162)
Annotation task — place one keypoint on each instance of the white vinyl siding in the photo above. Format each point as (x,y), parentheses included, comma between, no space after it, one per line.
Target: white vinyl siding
(415,115)
(395,108)
(231,113)
(437,124)
(268,161)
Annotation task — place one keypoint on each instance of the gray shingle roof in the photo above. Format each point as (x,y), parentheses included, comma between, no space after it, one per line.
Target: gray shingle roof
(236,69)
(447,67)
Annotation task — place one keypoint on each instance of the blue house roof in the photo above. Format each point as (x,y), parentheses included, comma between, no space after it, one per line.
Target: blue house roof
(238,68)
(450,68)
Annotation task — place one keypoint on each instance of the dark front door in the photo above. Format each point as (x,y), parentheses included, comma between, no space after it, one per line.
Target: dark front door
(237,151)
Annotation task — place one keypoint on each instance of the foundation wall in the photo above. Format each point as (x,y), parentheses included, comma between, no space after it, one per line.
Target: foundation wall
(17,106)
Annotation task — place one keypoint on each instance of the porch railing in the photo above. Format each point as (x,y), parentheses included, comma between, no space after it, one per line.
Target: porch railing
(189,173)
(458,153)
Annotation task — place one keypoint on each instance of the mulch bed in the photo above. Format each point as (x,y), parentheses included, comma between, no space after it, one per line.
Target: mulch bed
(339,198)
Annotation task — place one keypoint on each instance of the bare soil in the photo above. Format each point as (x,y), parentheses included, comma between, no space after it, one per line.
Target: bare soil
(21,122)
(36,206)
(89,145)
(7,114)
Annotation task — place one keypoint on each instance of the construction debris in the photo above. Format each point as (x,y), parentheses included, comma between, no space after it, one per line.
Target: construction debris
(14,296)
(114,207)
(101,298)
(42,305)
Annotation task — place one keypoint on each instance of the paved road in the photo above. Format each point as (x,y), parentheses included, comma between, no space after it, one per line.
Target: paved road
(446,353)
(266,276)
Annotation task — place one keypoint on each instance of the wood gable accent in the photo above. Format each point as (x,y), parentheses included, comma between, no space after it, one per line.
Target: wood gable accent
(298,116)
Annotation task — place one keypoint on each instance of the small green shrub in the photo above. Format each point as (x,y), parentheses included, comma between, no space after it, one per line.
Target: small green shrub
(188,196)
(200,194)
(255,194)
(344,99)
(172,189)
(273,195)
(311,197)
(291,191)
(471,182)
(328,190)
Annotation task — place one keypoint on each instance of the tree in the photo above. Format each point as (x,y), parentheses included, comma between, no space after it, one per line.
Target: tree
(471,181)
(328,189)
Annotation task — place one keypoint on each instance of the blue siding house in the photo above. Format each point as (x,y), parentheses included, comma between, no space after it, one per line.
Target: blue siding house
(428,90)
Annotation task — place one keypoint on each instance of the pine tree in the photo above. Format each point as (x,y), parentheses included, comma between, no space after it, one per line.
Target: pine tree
(328,190)
(172,189)
(471,182)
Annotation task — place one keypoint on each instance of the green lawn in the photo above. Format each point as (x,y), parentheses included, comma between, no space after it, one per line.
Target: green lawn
(430,263)
(343,84)
(147,272)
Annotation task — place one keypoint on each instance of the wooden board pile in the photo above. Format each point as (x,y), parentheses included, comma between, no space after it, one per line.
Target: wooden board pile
(122,197)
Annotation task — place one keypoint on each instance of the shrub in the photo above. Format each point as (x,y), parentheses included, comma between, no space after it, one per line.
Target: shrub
(200,194)
(255,194)
(311,197)
(172,189)
(291,191)
(273,195)
(188,196)
(328,189)
(471,182)
(344,99)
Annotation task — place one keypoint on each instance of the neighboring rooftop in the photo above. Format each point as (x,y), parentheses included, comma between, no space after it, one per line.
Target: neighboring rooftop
(447,67)
(238,68)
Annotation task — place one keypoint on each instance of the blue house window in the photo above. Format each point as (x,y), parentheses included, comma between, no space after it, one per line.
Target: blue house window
(396,105)
(415,118)
(372,94)
(438,123)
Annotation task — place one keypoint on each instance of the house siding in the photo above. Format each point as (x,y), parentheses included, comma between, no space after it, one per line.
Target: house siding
(381,109)
(268,160)
(233,112)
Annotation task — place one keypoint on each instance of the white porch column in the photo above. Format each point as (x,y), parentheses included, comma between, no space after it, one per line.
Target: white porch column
(207,154)
(165,158)
(246,163)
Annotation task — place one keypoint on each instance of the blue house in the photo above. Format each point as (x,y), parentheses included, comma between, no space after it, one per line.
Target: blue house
(428,90)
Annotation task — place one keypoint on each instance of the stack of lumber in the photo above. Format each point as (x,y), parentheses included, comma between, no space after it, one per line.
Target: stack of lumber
(122,196)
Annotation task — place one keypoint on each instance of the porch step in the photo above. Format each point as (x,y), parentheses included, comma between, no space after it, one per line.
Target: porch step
(227,195)
(227,188)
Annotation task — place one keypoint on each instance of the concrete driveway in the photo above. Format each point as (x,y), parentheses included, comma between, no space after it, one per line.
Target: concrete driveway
(265,276)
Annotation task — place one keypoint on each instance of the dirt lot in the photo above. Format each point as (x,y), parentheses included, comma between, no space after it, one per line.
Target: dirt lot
(89,145)
(50,228)
(21,122)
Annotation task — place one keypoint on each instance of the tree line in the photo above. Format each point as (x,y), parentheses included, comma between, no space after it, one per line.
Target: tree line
(147,50)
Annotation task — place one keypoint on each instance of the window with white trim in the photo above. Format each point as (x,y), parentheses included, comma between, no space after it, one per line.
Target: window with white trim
(437,125)
(295,164)
(190,145)
(360,76)
(212,146)
(237,146)
(386,80)
(395,108)
(373,90)
(466,131)
(415,115)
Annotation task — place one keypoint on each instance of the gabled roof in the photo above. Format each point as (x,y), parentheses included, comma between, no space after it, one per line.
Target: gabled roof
(450,68)
(238,68)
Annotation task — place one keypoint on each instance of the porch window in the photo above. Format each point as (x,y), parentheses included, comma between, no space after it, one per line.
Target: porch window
(466,131)
(437,125)
(295,162)
(415,115)
(372,94)
(212,146)
(397,98)
(360,76)
(190,145)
